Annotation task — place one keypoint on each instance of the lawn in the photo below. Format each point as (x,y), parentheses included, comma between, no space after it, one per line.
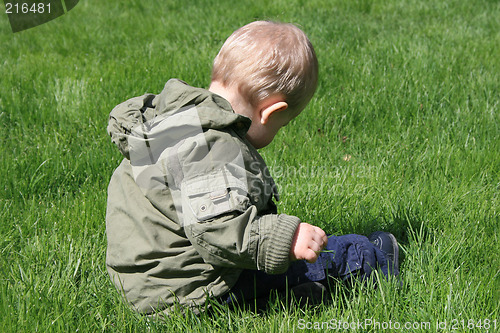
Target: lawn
(403,135)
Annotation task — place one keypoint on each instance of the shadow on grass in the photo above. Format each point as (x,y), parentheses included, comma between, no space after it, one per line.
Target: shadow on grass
(337,293)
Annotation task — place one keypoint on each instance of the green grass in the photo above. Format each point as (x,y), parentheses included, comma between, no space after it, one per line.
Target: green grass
(403,135)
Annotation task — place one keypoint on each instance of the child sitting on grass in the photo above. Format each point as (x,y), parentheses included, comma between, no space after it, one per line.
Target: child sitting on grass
(190,211)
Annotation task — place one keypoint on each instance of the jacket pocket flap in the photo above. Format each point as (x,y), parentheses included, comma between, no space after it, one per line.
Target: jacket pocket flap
(214,194)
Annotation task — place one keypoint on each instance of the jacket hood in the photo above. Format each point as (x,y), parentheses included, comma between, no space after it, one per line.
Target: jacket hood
(175,107)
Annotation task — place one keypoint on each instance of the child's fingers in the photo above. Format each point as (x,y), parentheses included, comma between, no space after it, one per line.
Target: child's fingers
(325,238)
(308,242)
(315,246)
(311,256)
(320,238)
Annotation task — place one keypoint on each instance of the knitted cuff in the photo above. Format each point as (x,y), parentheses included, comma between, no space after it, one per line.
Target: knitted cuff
(276,236)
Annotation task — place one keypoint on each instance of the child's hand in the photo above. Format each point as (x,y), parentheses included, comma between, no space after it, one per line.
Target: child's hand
(307,243)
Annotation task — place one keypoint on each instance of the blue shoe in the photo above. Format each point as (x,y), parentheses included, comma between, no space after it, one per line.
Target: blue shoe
(388,244)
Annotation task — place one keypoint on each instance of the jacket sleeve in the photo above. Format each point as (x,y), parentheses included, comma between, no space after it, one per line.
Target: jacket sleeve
(245,240)
(224,200)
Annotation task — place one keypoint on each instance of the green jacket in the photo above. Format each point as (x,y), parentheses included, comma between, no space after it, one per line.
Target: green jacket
(191,205)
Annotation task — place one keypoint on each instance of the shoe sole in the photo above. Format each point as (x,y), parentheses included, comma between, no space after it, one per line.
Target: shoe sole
(395,248)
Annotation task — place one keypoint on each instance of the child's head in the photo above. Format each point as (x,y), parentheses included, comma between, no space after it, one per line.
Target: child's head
(264,59)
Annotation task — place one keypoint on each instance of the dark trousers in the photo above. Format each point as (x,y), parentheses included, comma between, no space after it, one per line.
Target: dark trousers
(345,257)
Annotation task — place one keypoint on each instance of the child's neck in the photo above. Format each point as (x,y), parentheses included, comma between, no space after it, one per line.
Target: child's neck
(238,104)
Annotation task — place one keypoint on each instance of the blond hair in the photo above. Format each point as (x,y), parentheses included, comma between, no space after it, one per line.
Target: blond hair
(267,58)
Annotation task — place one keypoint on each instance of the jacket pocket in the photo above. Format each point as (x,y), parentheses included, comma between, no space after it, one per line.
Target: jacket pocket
(208,196)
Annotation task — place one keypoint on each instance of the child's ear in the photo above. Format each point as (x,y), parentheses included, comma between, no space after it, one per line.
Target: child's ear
(269,109)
